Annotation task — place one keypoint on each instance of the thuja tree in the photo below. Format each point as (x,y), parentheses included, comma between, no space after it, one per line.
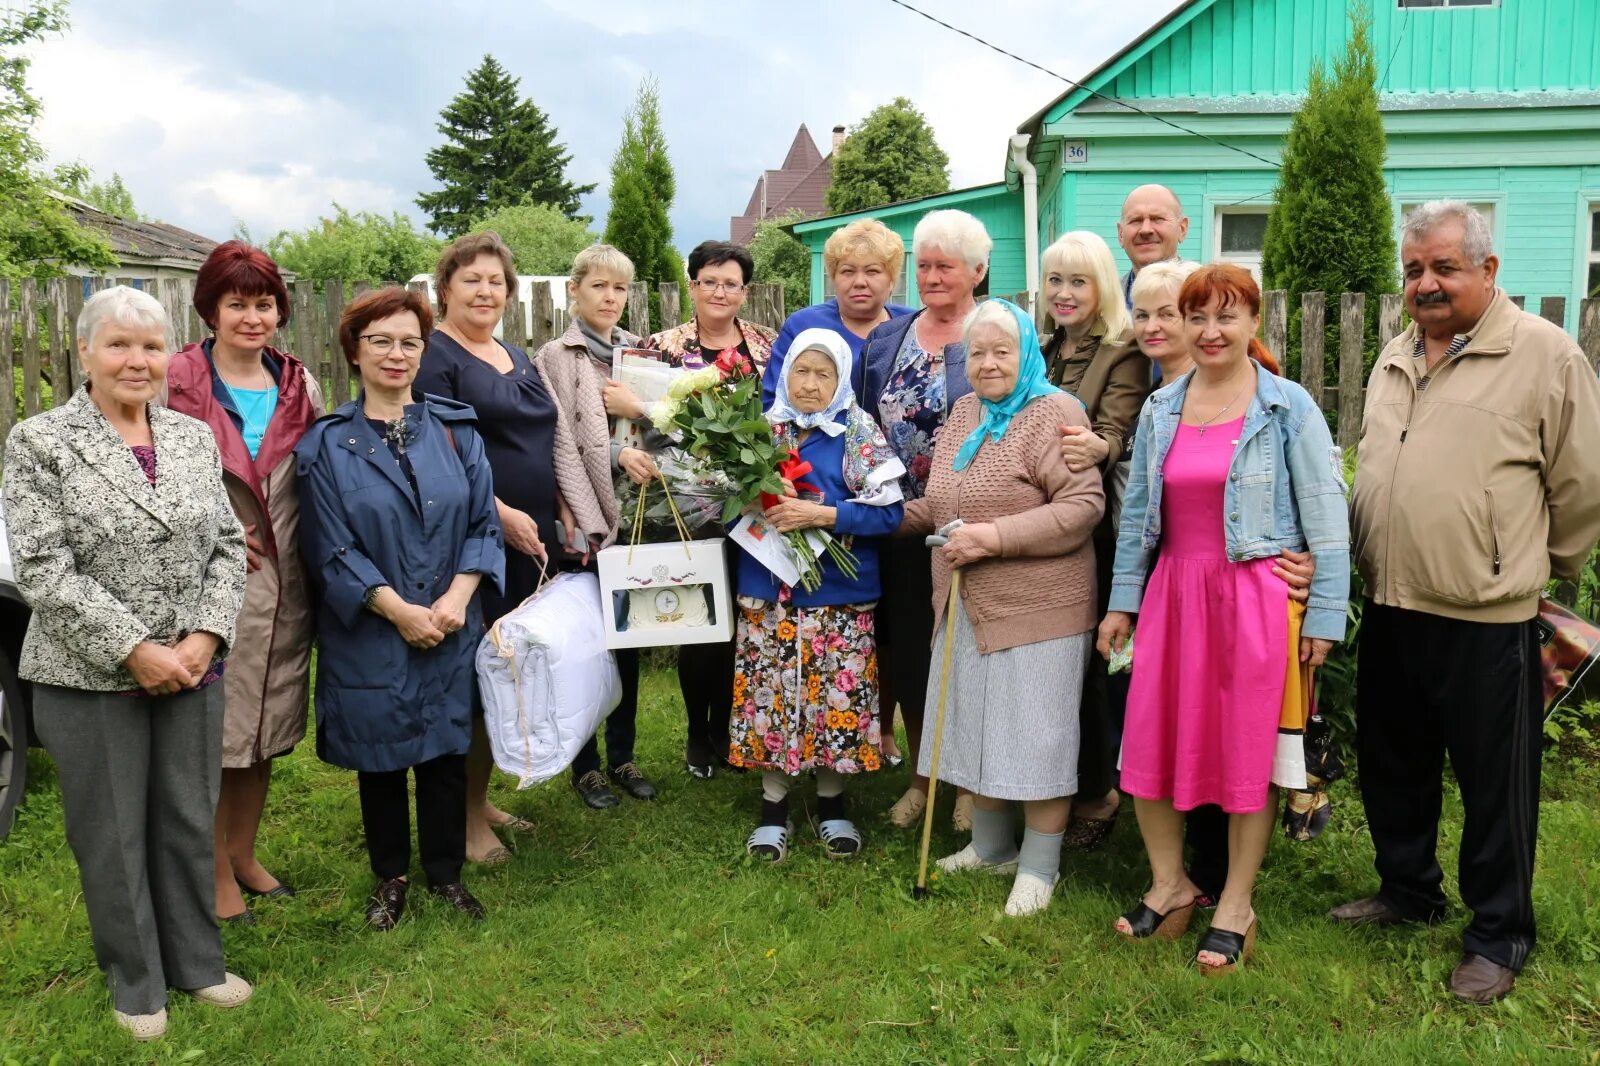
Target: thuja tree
(1331,229)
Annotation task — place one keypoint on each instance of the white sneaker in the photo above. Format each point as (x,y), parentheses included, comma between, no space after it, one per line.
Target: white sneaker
(968,859)
(1030,894)
(233,991)
(144,1026)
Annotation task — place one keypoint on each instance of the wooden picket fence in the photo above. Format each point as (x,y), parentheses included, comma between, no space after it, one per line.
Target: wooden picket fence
(38,344)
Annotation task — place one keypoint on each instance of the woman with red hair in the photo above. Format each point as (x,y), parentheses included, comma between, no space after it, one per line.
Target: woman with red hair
(258,401)
(1231,465)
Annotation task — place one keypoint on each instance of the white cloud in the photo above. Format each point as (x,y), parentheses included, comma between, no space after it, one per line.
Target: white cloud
(200,155)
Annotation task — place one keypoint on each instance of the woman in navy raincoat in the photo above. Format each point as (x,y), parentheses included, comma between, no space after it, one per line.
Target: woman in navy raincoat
(398,528)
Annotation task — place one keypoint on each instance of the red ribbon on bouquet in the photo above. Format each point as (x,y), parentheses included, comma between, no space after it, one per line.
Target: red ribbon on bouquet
(792,470)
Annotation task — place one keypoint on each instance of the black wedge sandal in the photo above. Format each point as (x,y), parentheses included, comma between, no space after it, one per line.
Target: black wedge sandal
(1235,949)
(1145,923)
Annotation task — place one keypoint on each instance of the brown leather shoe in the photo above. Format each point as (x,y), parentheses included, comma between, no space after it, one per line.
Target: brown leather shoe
(1480,980)
(387,904)
(1369,911)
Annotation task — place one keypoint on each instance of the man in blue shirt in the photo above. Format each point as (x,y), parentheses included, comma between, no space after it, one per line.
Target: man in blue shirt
(1151,228)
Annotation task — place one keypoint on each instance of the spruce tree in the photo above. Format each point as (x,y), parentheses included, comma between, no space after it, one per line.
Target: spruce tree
(500,150)
(1331,228)
(642,190)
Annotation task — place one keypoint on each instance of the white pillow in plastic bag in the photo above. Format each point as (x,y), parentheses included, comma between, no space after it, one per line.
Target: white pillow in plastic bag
(546,679)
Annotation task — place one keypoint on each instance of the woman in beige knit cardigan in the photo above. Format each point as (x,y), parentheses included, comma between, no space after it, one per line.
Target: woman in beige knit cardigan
(576,368)
(1023,625)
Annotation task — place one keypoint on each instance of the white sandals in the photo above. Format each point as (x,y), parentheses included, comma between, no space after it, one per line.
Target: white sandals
(770,842)
(840,838)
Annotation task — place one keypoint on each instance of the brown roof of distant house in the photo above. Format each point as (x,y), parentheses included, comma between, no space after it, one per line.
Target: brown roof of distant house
(134,241)
(801,184)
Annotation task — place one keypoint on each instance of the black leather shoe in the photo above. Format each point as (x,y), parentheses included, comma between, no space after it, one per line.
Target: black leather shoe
(594,790)
(457,896)
(244,917)
(278,891)
(387,904)
(633,782)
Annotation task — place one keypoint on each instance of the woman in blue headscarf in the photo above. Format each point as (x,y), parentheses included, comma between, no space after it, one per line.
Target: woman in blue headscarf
(1022,627)
(805,683)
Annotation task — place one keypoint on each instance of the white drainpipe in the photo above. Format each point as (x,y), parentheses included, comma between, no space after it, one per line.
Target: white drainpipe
(1030,213)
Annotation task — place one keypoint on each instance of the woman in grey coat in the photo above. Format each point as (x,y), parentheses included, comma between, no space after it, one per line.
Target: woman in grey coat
(130,556)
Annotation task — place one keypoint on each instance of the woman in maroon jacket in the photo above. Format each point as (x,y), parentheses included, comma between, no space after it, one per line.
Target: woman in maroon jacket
(258,402)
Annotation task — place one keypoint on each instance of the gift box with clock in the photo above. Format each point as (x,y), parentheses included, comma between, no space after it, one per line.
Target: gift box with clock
(666,594)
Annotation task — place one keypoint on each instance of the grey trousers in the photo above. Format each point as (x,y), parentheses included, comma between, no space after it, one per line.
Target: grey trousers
(139,781)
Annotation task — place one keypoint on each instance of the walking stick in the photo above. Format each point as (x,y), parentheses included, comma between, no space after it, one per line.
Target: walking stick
(939,539)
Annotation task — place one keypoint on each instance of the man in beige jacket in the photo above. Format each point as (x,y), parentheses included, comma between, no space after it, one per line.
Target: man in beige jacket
(1477,478)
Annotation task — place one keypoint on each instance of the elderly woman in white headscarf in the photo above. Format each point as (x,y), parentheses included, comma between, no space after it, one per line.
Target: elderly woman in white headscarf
(805,683)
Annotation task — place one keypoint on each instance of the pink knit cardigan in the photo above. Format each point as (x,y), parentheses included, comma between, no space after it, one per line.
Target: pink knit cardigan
(1042,585)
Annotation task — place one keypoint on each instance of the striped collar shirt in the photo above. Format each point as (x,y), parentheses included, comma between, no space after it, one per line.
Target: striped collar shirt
(1458,342)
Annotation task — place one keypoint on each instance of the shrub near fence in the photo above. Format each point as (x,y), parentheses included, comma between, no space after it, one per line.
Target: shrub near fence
(38,346)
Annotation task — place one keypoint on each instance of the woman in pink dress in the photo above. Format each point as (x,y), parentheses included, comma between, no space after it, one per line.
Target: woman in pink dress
(1231,465)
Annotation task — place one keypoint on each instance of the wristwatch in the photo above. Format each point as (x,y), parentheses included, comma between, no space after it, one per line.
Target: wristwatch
(372,597)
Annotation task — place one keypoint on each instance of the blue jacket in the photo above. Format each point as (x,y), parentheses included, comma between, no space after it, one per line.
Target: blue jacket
(824,315)
(1285,490)
(878,352)
(381,704)
(863,522)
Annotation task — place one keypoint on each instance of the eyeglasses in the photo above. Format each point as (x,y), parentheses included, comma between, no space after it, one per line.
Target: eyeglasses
(732,288)
(383,344)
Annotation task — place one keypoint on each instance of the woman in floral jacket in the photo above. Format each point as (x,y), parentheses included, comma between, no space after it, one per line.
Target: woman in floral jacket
(805,682)
(720,274)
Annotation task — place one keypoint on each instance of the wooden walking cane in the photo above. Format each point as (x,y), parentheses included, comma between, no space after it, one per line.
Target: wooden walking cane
(937,540)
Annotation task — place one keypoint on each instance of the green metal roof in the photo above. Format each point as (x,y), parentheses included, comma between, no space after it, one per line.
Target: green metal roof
(953,198)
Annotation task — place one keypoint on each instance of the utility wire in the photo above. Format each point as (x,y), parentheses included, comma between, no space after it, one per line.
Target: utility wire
(1079,85)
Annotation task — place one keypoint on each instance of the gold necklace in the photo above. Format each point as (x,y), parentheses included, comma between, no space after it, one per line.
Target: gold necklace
(1203,426)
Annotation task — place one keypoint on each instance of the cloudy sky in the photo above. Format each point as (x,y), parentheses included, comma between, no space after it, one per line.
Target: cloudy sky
(264,114)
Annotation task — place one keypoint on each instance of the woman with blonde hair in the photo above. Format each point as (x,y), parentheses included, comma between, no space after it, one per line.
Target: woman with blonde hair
(1092,355)
(863,261)
(576,368)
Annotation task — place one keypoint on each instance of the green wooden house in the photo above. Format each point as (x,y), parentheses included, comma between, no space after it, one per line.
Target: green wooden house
(1496,102)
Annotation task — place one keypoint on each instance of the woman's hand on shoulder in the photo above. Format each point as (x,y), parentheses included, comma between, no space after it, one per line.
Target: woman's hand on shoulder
(1082,448)
(158,669)
(972,543)
(1113,634)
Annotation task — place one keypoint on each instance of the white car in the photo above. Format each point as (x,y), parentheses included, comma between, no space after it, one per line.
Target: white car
(15,708)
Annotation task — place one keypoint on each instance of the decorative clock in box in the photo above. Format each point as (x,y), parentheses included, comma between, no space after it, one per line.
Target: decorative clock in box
(666,594)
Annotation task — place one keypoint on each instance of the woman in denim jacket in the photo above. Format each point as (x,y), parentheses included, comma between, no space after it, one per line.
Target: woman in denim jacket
(1231,465)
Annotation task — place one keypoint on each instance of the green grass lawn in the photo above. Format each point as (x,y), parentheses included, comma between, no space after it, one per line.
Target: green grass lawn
(644,935)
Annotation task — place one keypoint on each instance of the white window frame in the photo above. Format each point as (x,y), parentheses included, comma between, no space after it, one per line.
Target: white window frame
(1251,263)
(1495,202)
(1589,240)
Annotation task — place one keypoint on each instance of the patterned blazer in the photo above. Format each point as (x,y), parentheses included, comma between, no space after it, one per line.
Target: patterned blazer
(107,560)
(682,344)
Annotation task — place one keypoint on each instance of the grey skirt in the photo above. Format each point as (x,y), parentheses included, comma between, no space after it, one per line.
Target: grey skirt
(1011,717)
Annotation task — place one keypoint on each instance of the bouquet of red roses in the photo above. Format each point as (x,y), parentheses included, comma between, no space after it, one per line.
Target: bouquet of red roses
(715,415)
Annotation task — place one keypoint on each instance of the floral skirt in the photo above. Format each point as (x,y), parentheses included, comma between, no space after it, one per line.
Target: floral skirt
(805,688)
